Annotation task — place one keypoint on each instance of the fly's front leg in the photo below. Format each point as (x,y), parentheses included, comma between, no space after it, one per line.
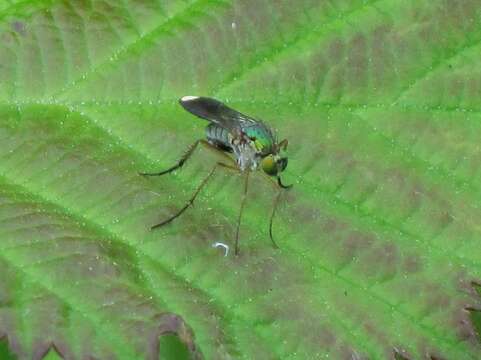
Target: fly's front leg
(279,182)
(274,207)
(279,186)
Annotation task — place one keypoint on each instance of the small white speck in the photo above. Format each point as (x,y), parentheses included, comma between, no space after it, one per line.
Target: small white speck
(234,25)
(189,98)
(219,244)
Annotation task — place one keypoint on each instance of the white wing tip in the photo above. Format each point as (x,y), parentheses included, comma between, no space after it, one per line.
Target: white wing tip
(188,98)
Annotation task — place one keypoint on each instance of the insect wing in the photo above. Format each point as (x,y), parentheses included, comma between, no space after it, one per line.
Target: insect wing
(216,112)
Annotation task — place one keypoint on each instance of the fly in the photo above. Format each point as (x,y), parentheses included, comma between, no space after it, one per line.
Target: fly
(246,145)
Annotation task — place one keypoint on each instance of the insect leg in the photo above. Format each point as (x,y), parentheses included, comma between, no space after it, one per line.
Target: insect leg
(283,144)
(188,154)
(190,202)
(181,162)
(229,167)
(276,201)
(279,186)
(216,150)
(279,182)
(244,196)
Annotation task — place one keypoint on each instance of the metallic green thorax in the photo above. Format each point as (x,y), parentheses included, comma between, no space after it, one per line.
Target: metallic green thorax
(261,136)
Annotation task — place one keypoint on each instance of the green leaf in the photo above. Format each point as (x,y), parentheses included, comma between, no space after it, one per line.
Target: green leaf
(52,355)
(5,352)
(379,237)
(172,348)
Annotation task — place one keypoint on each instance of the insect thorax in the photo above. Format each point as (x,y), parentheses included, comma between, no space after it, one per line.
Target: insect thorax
(245,151)
(246,155)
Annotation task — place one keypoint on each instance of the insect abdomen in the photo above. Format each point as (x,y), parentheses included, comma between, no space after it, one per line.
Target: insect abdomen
(218,136)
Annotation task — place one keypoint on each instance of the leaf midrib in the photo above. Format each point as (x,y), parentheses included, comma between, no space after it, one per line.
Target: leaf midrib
(335,201)
(130,149)
(332,199)
(354,208)
(437,171)
(92,222)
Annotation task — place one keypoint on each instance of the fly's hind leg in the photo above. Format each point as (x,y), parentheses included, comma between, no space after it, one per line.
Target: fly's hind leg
(187,155)
(190,202)
(181,162)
